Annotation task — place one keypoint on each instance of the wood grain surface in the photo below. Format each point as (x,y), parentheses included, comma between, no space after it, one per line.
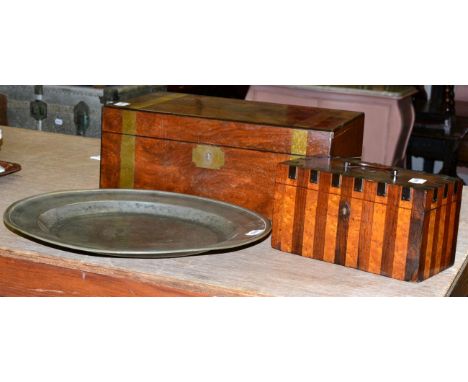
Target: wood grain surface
(250,137)
(375,230)
(46,278)
(256,270)
(260,113)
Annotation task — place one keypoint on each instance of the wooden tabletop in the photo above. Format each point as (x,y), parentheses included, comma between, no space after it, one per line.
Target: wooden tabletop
(53,162)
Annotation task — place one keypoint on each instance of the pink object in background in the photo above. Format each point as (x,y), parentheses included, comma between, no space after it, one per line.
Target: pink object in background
(389,113)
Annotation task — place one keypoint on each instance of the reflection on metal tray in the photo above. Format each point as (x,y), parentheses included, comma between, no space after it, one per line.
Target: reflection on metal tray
(135,223)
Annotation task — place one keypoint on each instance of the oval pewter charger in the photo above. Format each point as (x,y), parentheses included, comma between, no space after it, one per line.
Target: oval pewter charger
(135,223)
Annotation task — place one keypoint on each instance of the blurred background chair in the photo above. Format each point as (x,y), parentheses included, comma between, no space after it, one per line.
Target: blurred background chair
(461,110)
(438,131)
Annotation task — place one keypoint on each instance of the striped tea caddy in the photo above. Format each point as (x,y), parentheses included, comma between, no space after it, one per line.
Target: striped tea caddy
(389,221)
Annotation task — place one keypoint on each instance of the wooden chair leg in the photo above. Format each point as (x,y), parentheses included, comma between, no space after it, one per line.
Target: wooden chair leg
(428,166)
(409,163)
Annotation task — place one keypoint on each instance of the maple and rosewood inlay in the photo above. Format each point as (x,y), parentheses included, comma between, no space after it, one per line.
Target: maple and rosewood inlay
(393,222)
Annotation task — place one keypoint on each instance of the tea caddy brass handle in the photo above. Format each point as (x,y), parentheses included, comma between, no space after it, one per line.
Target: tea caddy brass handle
(394,171)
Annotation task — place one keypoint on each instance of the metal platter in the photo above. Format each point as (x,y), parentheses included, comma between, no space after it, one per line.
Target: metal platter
(134,223)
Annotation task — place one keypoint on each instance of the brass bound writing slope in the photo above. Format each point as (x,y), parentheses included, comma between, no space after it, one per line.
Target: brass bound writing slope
(394,222)
(224,149)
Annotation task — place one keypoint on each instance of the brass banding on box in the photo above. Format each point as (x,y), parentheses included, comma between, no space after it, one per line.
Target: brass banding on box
(220,148)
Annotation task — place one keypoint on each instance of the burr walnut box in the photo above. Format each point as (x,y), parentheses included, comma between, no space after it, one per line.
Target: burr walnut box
(393,222)
(225,149)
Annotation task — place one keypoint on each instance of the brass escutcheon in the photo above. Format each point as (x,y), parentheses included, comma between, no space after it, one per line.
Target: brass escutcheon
(205,156)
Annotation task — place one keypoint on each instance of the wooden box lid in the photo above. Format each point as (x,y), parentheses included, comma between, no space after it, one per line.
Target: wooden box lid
(370,181)
(226,109)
